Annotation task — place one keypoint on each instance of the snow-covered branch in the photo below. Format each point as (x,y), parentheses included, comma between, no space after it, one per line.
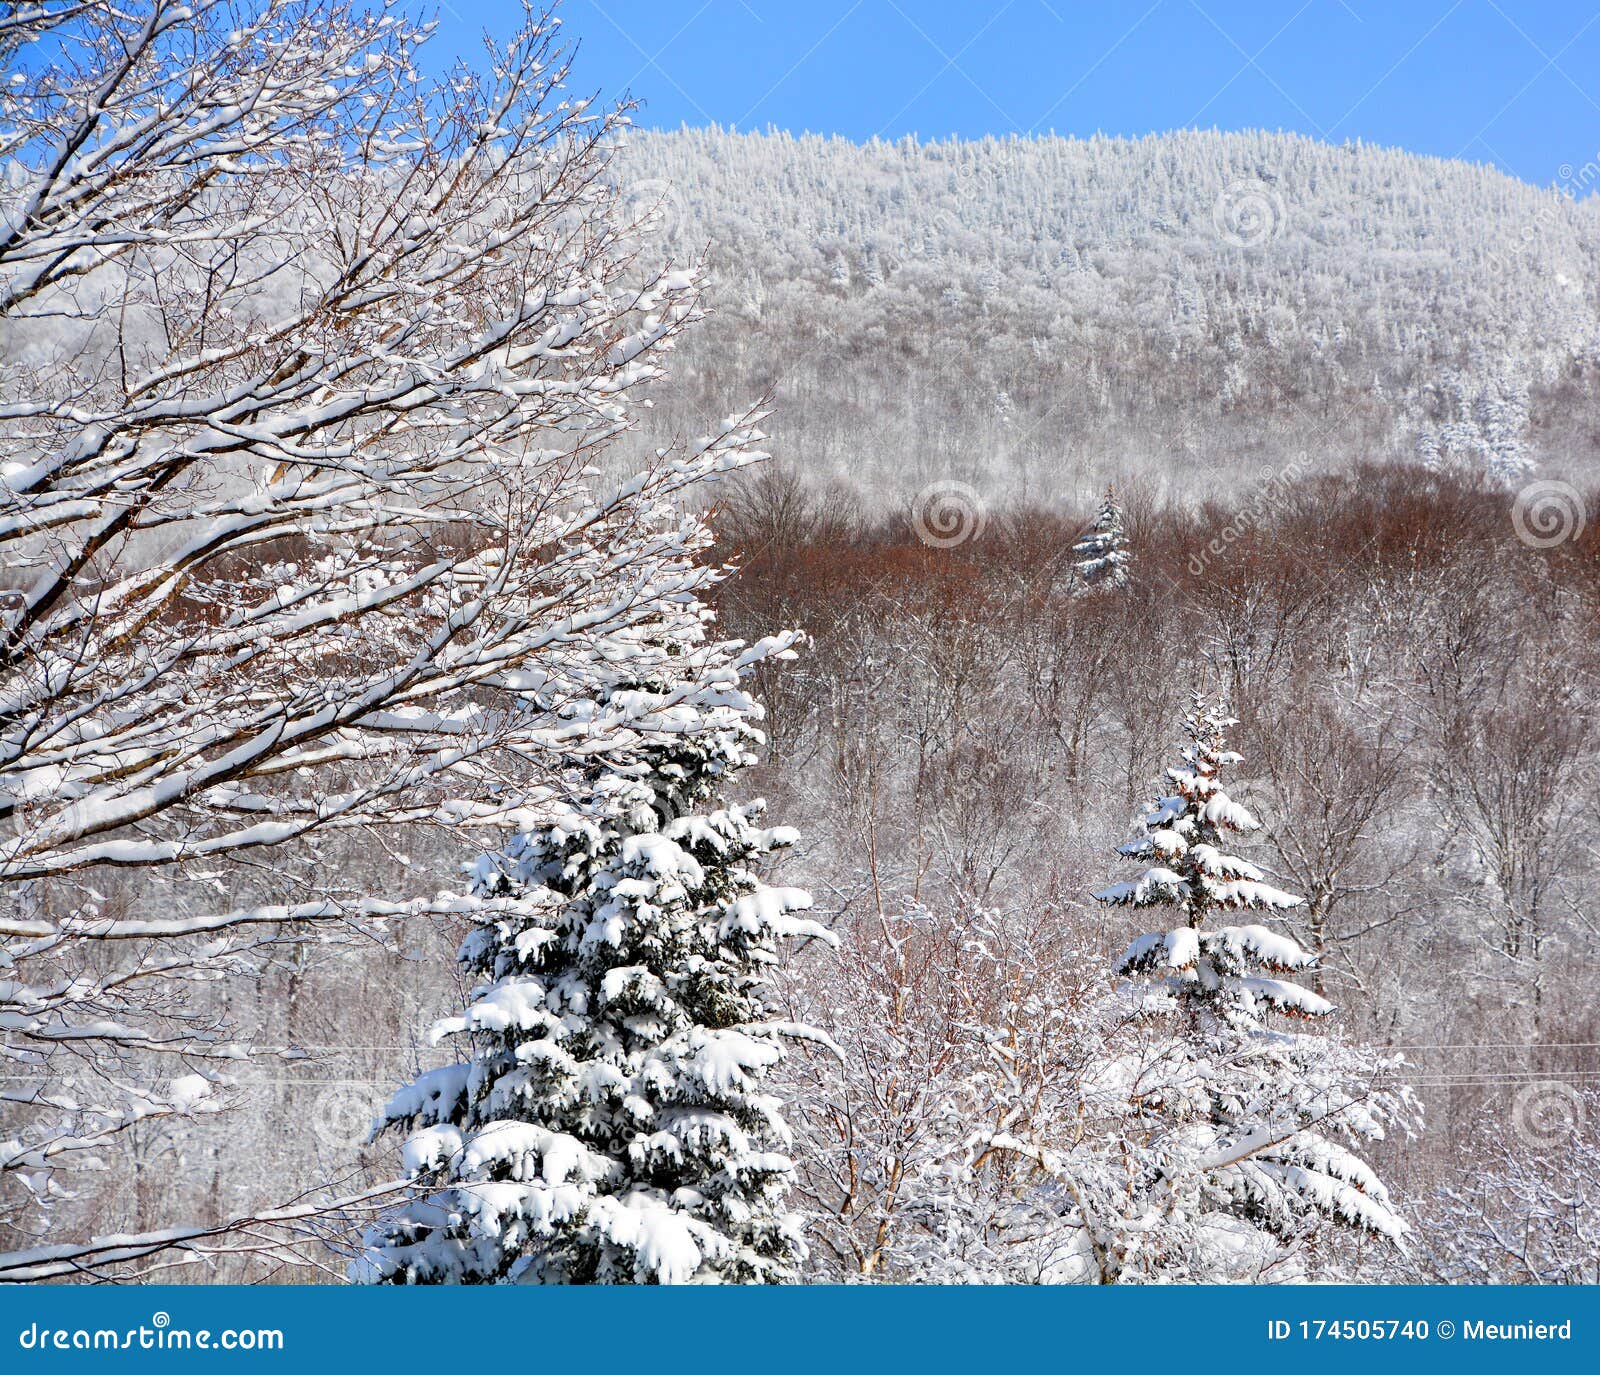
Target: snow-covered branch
(312,368)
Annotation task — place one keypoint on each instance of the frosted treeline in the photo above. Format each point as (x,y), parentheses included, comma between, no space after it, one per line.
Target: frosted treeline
(1041,315)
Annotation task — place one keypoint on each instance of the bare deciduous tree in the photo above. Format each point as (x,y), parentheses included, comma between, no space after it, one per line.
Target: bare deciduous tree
(308,365)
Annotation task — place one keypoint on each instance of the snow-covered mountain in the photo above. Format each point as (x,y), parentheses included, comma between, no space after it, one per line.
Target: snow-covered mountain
(1038,315)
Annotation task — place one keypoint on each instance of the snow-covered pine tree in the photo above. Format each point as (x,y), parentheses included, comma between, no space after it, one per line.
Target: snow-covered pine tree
(1100,557)
(610,1123)
(1478,419)
(1230,1123)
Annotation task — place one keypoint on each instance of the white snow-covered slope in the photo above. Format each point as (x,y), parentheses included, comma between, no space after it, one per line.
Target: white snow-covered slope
(1039,315)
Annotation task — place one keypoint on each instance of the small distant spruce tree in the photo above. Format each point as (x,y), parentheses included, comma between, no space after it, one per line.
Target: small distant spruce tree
(1100,558)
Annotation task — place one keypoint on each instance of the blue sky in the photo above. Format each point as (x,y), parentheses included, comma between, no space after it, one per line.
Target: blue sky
(1517,85)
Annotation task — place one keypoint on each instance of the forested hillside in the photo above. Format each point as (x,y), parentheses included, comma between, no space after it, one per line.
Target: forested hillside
(1035,317)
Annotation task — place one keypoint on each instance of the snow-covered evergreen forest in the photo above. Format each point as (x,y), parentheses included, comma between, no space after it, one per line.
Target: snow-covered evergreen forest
(1039,317)
(590,706)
